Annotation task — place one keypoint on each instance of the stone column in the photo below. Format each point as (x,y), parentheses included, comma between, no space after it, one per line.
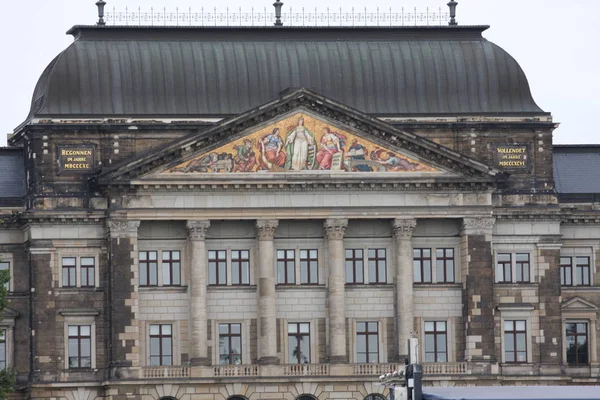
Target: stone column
(334,230)
(405,314)
(123,296)
(477,276)
(267,322)
(197,288)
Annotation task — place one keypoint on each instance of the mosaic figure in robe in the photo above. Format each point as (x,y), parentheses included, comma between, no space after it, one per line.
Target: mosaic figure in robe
(300,147)
(332,143)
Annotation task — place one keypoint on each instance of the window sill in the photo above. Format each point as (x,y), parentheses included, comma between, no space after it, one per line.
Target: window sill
(244,288)
(298,287)
(516,285)
(175,289)
(68,290)
(581,288)
(430,286)
(360,286)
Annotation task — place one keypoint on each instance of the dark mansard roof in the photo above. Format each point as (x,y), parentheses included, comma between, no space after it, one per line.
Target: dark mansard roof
(178,72)
(577,172)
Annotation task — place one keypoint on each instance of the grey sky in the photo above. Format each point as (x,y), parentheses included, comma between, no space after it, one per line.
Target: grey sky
(556,42)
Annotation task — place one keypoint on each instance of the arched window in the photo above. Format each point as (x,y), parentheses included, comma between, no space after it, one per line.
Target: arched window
(306,397)
(374,397)
(237,398)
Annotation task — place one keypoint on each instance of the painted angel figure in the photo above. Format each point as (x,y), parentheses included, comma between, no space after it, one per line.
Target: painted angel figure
(300,147)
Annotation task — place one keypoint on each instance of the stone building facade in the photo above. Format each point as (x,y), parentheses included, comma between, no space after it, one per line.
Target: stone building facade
(270,213)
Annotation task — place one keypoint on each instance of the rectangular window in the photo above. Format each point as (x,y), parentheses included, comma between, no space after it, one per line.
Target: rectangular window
(230,343)
(217,267)
(504,268)
(88,274)
(5,266)
(444,260)
(148,261)
(240,267)
(566,271)
(80,346)
(582,271)
(515,341)
(2,349)
(69,272)
(377,265)
(436,341)
(367,342)
(171,265)
(309,267)
(161,345)
(577,343)
(286,267)
(299,343)
(355,266)
(523,270)
(422,265)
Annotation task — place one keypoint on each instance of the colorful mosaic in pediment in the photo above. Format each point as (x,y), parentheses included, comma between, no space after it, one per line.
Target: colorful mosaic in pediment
(301,143)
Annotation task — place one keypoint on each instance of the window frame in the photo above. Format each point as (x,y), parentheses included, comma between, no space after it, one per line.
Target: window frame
(79,337)
(285,261)
(147,265)
(367,333)
(307,261)
(78,256)
(421,259)
(79,319)
(574,250)
(445,260)
(515,332)
(514,254)
(6,258)
(435,334)
(8,326)
(588,337)
(508,313)
(229,335)
(160,337)
(215,263)
(240,260)
(297,337)
(170,262)
(433,244)
(377,265)
(159,247)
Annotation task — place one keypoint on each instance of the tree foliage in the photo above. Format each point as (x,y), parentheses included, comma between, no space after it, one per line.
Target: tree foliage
(8,375)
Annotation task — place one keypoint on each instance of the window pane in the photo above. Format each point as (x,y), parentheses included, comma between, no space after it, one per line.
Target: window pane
(236,328)
(520,325)
(292,328)
(166,329)
(166,346)
(154,329)
(86,347)
(304,349)
(361,343)
(166,273)
(84,330)
(153,273)
(429,326)
(176,274)
(304,328)
(73,330)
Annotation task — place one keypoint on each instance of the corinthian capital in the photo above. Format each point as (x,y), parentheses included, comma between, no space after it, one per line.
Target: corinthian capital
(197,229)
(121,228)
(478,226)
(335,228)
(265,228)
(403,227)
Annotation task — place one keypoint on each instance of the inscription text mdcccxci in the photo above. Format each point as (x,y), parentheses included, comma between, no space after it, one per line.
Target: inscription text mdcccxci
(512,156)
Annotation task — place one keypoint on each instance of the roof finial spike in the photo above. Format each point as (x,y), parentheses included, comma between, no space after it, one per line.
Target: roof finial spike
(100,4)
(278,4)
(452,6)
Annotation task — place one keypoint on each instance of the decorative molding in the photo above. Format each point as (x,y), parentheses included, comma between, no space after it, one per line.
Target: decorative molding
(123,228)
(403,227)
(265,228)
(197,229)
(478,226)
(335,228)
(79,312)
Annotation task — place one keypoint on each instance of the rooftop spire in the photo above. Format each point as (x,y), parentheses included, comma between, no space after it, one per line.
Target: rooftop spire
(100,4)
(278,4)
(452,6)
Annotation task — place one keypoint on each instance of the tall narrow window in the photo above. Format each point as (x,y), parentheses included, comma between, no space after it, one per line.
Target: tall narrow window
(566,271)
(217,267)
(515,341)
(161,344)
(286,267)
(5,266)
(582,271)
(171,263)
(422,265)
(240,267)
(377,265)
(69,272)
(504,268)
(355,266)
(309,267)
(577,343)
(523,269)
(80,346)
(436,341)
(444,260)
(367,342)
(2,349)
(88,274)
(148,261)
(299,343)
(230,343)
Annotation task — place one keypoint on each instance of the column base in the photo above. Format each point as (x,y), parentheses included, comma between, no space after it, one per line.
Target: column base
(199,361)
(338,360)
(268,361)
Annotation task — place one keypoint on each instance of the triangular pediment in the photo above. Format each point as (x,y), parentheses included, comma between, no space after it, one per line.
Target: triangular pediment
(301,134)
(578,304)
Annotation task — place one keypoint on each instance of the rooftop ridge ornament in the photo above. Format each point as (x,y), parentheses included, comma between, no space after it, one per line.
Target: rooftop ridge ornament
(100,4)
(452,4)
(278,4)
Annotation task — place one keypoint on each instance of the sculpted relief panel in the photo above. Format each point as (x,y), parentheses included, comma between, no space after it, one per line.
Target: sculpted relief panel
(301,143)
